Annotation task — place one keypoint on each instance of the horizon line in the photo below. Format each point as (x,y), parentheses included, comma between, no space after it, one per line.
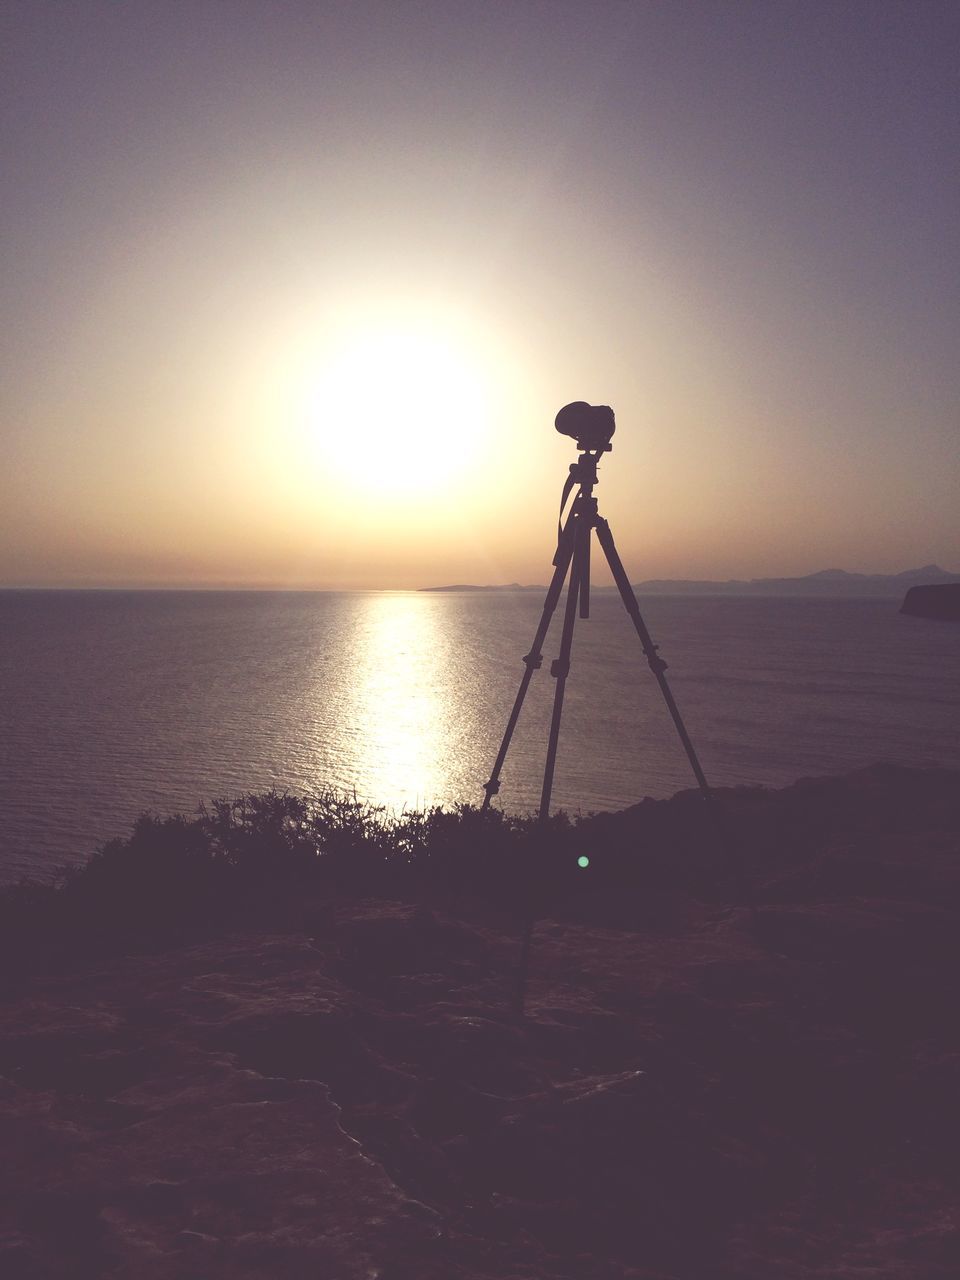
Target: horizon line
(330,590)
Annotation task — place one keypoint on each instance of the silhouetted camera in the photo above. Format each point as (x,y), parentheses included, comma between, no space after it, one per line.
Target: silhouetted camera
(591,425)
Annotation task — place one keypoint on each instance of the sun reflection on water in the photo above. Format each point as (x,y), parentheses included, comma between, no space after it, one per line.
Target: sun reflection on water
(398,701)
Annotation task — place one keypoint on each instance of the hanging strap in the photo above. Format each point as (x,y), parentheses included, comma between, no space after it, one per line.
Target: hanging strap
(565,493)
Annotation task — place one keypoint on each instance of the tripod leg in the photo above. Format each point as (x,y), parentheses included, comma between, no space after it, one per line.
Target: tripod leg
(658,667)
(561,667)
(534,658)
(655,662)
(585,576)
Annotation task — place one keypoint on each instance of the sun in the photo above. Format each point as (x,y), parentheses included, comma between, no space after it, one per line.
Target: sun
(399,405)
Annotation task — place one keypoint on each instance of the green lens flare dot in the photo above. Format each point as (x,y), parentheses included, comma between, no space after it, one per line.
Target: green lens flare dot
(583,861)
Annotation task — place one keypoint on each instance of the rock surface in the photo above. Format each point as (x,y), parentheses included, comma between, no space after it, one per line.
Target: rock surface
(357,1099)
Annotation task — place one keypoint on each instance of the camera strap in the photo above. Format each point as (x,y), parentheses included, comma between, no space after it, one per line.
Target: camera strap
(565,493)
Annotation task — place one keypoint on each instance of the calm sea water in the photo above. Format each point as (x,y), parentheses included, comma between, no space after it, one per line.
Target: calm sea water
(116,702)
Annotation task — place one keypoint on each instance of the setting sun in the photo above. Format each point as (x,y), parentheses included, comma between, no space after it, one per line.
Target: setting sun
(398,404)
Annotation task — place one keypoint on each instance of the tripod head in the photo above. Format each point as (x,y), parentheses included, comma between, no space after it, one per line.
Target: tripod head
(584,471)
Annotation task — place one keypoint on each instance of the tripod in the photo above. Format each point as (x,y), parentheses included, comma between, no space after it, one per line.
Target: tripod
(573,556)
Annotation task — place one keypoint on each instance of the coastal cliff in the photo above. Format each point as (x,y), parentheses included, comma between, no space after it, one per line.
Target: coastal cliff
(334,1082)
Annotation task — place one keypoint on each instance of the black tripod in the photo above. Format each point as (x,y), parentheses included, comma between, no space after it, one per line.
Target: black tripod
(573,555)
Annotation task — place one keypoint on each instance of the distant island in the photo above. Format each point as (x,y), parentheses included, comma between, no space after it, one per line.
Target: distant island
(831,583)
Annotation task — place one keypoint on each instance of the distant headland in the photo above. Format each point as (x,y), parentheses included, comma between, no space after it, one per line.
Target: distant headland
(830,583)
(939,600)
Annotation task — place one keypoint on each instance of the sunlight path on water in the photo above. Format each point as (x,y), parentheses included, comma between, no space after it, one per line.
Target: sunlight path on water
(397,700)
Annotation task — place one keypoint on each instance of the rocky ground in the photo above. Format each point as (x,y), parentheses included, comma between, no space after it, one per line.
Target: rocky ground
(352,1095)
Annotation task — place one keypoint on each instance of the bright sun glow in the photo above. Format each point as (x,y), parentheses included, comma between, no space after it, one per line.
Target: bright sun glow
(401,406)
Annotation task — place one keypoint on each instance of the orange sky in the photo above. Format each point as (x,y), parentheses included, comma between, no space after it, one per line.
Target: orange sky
(294,303)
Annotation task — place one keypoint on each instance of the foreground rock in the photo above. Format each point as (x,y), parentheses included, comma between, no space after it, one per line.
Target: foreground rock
(355,1097)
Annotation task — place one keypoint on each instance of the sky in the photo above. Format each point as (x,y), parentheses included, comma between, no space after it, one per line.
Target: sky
(292,292)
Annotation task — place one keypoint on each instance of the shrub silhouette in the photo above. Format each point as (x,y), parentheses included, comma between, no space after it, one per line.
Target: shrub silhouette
(174,878)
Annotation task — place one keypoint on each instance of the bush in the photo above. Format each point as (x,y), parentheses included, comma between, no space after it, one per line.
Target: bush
(177,878)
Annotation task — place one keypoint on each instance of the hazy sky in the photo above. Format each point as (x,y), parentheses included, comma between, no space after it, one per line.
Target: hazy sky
(292,291)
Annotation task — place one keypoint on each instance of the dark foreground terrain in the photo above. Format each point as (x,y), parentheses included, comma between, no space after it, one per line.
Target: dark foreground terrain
(327,1079)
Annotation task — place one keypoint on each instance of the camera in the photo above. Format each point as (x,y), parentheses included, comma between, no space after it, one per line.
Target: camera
(591,425)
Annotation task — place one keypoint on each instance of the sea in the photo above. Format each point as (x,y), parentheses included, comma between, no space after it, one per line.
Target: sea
(113,703)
